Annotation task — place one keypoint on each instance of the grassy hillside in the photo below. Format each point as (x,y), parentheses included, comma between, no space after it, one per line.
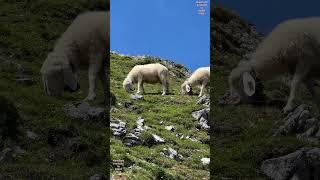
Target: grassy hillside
(242,136)
(28,30)
(143,162)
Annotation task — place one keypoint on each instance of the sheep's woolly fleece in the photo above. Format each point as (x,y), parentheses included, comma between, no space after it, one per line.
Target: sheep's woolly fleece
(200,77)
(148,73)
(83,43)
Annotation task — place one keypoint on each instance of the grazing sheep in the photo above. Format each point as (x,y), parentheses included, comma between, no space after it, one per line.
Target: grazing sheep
(148,73)
(200,77)
(84,43)
(293,47)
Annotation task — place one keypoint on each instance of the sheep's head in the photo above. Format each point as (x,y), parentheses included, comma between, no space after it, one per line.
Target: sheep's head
(186,88)
(242,83)
(57,76)
(128,85)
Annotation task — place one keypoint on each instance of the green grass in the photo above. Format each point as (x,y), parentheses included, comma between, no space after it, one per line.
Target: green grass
(175,110)
(28,32)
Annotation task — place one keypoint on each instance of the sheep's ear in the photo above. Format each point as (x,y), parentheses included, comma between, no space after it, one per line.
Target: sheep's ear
(249,84)
(188,88)
(68,76)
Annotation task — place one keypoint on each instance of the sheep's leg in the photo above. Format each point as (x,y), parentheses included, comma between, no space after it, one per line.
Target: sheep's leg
(301,71)
(103,79)
(140,88)
(201,90)
(165,85)
(95,63)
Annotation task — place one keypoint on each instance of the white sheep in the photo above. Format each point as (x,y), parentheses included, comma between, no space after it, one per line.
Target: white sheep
(84,43)
(200,77)
(148,73)
(293,47)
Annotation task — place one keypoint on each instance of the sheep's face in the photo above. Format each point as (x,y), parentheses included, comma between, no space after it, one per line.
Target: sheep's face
(128,85)
(57,77)
(242,84)
(186,89)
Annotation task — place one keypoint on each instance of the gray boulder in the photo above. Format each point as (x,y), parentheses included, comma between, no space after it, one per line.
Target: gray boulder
(299,165)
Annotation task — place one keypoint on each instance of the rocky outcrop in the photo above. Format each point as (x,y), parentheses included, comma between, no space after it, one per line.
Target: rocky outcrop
(302,164)
(301,123)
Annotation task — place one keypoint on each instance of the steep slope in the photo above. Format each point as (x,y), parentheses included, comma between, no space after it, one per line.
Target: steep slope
(243,134)
(149,160)
(49,144)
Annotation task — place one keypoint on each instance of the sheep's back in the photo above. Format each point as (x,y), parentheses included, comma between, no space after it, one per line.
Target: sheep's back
(274,56)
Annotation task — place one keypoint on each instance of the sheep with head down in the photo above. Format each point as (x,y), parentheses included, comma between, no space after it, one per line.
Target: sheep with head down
(83,44)
(293,47)
(200,77)
(148,73)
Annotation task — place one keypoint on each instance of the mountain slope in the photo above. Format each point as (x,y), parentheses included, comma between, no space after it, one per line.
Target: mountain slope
(28,30)
(243,134)
(147,161)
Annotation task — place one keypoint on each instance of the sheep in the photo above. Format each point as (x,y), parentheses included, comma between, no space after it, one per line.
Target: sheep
(84,43)
(200,77)
(293,48)
(148,73)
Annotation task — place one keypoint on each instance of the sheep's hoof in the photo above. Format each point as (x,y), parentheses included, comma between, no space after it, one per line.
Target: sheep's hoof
(90,98)
(287,109)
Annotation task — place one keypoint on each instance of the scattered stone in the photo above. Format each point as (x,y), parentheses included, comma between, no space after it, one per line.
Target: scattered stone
(180,135)
(170,128)
(32,135)
(140,121)
(84,111)
(301,164)
(205,161)
(132,140)
(172,154)
(300,122)
(131,107)
(204,100)
(98,177)
(158,139)
(6,155)
(9,154)
(118,128)
(137,97)
(202,116)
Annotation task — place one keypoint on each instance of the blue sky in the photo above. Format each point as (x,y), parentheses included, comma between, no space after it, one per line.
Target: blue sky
(266,14)
(170,29)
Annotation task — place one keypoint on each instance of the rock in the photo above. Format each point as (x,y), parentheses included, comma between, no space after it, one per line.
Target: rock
(6,155)
(170,128)
(300,122)
(84,111)
(132,140)
(301,164)
(205,161)
(118,128)
(136,97)
(32,135)
(9,154)
(158,139)
(202,116)
(201,113)
(98,177)
(172,154)
(140,121)
(204,100)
